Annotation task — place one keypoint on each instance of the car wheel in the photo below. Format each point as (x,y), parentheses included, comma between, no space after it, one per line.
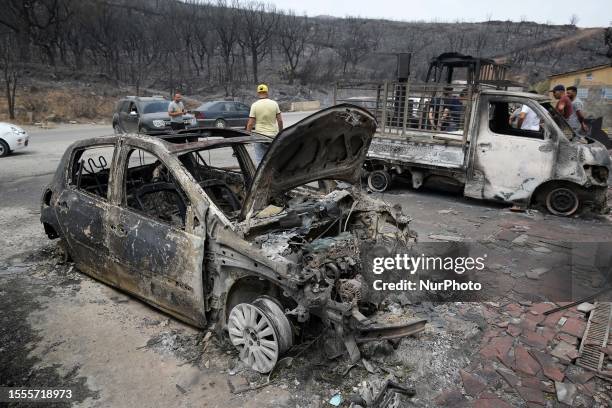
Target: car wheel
(261,332)
(220,123)
(562,200)
(117,129)
(4,148)
(379,180)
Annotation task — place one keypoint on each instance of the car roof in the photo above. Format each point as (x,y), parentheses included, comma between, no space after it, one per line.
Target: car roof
(175,143)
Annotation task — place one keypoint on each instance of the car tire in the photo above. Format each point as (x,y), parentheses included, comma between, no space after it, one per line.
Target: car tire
(117,130)
(379,180)
(562,200)
(220,124)
(261,332)
(4,148)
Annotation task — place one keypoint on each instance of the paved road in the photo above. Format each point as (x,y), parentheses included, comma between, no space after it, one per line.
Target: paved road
(24,174)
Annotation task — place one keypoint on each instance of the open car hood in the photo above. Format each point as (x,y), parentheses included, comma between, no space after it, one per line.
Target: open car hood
(330,144)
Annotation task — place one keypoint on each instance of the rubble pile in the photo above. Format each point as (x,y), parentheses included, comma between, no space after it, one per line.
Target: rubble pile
(527,358)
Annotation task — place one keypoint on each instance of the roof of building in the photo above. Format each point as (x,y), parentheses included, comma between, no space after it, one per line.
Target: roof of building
(575,71)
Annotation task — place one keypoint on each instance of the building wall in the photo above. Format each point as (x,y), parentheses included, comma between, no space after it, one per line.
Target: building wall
(599,77)
(595,90)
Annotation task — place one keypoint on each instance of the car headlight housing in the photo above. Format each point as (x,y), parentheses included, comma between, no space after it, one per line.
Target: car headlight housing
(159,123)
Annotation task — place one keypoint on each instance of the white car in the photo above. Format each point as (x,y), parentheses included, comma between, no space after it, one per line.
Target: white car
(12,138)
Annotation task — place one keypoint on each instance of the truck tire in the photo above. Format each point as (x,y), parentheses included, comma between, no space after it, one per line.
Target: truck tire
(379,180)
(562,200)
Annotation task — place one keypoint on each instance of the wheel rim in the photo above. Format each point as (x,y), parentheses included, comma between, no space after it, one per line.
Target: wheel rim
(260,332)
(2,151)
(220,124)
(562,201)
(378,181)
(117,130)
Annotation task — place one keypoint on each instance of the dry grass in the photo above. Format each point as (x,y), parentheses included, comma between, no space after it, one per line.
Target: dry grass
(60,105)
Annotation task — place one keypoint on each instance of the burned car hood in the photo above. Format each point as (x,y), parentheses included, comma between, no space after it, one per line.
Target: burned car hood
(330,144)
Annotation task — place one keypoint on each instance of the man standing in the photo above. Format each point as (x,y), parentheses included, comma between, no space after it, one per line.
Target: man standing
(176,110)
(564,105)
(265,116)
(577,119)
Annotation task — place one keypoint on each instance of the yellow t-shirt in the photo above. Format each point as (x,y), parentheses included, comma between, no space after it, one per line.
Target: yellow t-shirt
(264,111)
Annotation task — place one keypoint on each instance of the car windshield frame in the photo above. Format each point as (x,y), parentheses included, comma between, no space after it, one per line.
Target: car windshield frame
(147,107)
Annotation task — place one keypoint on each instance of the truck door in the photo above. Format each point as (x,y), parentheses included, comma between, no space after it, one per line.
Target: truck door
(509,162)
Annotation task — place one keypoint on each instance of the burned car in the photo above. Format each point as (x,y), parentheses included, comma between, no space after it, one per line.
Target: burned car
(187,223)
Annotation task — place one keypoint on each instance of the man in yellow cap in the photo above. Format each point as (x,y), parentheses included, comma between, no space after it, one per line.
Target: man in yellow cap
(265,116)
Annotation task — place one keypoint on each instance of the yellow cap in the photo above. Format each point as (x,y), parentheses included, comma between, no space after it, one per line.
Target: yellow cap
(262,88)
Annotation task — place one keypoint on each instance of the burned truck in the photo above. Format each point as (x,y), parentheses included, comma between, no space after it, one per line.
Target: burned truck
(185,222)
(467,133)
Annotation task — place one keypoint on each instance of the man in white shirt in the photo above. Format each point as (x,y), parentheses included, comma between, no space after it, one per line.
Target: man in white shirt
(528,119)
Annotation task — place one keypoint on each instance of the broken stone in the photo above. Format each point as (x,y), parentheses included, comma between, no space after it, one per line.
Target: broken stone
(491,403)
(472,383)
(509,377)
(549,368)
(585,307)
(521,239)
(565,352)
(578,375)
(574,327)
(542,250)
(567,338)
(525,363)
(565,392)
(533,339)
(531,394)
(536,273)
(514,330)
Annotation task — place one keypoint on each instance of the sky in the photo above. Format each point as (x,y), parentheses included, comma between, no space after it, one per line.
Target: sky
(591,13)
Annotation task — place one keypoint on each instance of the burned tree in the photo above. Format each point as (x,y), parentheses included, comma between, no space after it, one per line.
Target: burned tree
(10,71)
(293,35)
(258,23)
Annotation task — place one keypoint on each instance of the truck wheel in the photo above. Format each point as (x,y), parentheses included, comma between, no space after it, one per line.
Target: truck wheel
(261,332)
(562,200)
(220,123)
(378,180)
(4,148)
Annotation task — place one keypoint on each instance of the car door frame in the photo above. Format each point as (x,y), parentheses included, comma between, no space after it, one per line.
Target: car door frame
(482,183)
(176,285)
(91,257)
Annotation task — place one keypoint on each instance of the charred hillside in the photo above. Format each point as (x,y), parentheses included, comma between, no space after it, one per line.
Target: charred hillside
(225,46)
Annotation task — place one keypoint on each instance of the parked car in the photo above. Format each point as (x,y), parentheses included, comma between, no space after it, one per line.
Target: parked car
(222,114)
(140,114)
(12,138)
(196,230)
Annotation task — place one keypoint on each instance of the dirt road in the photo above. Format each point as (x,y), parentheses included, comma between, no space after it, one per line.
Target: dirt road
(60,328)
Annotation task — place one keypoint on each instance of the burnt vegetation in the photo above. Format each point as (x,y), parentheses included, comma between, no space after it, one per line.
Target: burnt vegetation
(199,46)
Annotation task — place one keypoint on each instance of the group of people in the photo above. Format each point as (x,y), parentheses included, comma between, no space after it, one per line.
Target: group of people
(571,107)
(568,105)
(264,118)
